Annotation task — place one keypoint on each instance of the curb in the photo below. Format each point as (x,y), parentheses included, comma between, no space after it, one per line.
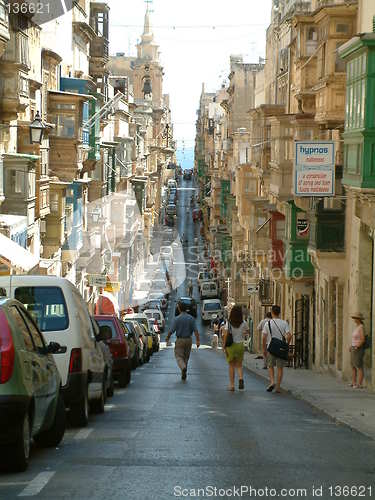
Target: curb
(295,393)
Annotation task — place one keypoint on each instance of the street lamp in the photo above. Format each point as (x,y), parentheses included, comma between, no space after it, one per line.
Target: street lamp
(36,129)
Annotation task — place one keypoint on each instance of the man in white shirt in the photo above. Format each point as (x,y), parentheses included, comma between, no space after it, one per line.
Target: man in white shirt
(260,330)
(278,328)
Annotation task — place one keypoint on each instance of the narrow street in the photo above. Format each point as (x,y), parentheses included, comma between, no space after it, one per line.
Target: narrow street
(160,436)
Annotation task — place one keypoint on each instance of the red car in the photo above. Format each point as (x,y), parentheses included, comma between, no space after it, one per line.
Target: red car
(119,348)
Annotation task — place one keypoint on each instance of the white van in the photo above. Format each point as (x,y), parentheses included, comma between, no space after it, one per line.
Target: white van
(209,290)
(172,184)
(63,317)
(210,308)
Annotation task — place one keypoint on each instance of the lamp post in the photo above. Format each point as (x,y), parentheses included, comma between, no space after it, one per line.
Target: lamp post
(36,129)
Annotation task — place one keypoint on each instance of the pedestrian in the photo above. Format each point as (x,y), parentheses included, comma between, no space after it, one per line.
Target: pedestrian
(357,351)
(237,328)
(184,326)
(279,329)
(190,288)
(260,330)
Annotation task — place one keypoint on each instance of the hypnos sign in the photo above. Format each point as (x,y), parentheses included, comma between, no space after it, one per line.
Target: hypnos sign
(314,169)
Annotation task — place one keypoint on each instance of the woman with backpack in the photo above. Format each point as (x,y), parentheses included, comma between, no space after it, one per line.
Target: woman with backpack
(234,333)
(357,351)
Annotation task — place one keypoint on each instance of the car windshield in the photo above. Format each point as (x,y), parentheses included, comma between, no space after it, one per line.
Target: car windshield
(46,304)
(212,306)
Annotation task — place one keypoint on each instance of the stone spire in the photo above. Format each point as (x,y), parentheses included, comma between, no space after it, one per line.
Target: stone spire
(147,49)
(147,27)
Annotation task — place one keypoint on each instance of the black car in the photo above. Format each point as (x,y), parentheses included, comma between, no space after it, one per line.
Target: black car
(190,304)
(187,175)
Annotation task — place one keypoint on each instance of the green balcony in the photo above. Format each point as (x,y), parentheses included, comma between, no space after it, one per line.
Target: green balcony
(359,136)
(327,231)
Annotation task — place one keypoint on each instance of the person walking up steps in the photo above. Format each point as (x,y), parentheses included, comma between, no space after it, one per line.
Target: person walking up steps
(184,326)
(278,328)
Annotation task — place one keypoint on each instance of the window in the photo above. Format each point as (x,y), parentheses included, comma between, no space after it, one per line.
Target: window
(47,306)
(21,327)
(54,204)
(37,339)
(109,324)
(342,28)
(64,125)
(16,181)
(65,106)
(23,49)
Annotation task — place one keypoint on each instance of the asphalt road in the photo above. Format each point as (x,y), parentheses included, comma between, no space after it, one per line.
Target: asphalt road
(162,438)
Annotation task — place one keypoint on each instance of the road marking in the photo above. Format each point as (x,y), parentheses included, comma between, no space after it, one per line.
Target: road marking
(109,407)
(83,434)
(19,483)
(37,484)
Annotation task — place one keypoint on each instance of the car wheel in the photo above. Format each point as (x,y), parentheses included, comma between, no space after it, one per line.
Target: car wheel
(97,406)
(79,413)
(18,456)
(123,379)
(53,436)
(111,388)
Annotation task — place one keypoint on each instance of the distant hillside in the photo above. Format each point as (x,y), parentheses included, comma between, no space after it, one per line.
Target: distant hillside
(186,158)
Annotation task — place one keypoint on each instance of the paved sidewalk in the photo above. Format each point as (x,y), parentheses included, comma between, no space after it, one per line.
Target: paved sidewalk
(352,407)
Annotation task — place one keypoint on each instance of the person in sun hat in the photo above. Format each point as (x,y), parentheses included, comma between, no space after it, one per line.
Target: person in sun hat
(357,350)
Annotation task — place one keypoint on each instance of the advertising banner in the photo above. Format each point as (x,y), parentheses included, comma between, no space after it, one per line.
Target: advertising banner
(314,169)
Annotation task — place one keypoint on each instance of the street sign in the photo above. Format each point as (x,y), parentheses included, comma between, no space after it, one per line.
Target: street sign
(98,280)
(314,168)
(252,289)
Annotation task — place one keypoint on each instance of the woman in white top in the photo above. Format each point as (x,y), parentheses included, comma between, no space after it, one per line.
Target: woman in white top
(238,328)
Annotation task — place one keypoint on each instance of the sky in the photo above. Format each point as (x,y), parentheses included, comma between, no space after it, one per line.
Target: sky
(196,38)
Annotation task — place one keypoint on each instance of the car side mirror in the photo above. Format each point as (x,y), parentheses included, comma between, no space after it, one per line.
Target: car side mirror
(105,333)
(55,348)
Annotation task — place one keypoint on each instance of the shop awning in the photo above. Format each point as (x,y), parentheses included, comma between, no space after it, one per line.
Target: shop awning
(16,255)
(107,304)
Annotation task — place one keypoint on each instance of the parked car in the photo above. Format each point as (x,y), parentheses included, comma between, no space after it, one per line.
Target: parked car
(108,360)
(151,304)
(135,334)
(204,276)
(132,343)
(143,336)
(118,346)
(172,184)
(141,318)
(211,309)
(190,305)
(62,315)
(31,399)
(160,297)
(157,315)
(208,290)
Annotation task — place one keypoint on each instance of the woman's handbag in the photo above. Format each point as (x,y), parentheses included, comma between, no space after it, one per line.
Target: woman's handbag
(229,339)
(279,348)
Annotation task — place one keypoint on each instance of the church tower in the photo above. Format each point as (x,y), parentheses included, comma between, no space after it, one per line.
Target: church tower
(148,74)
